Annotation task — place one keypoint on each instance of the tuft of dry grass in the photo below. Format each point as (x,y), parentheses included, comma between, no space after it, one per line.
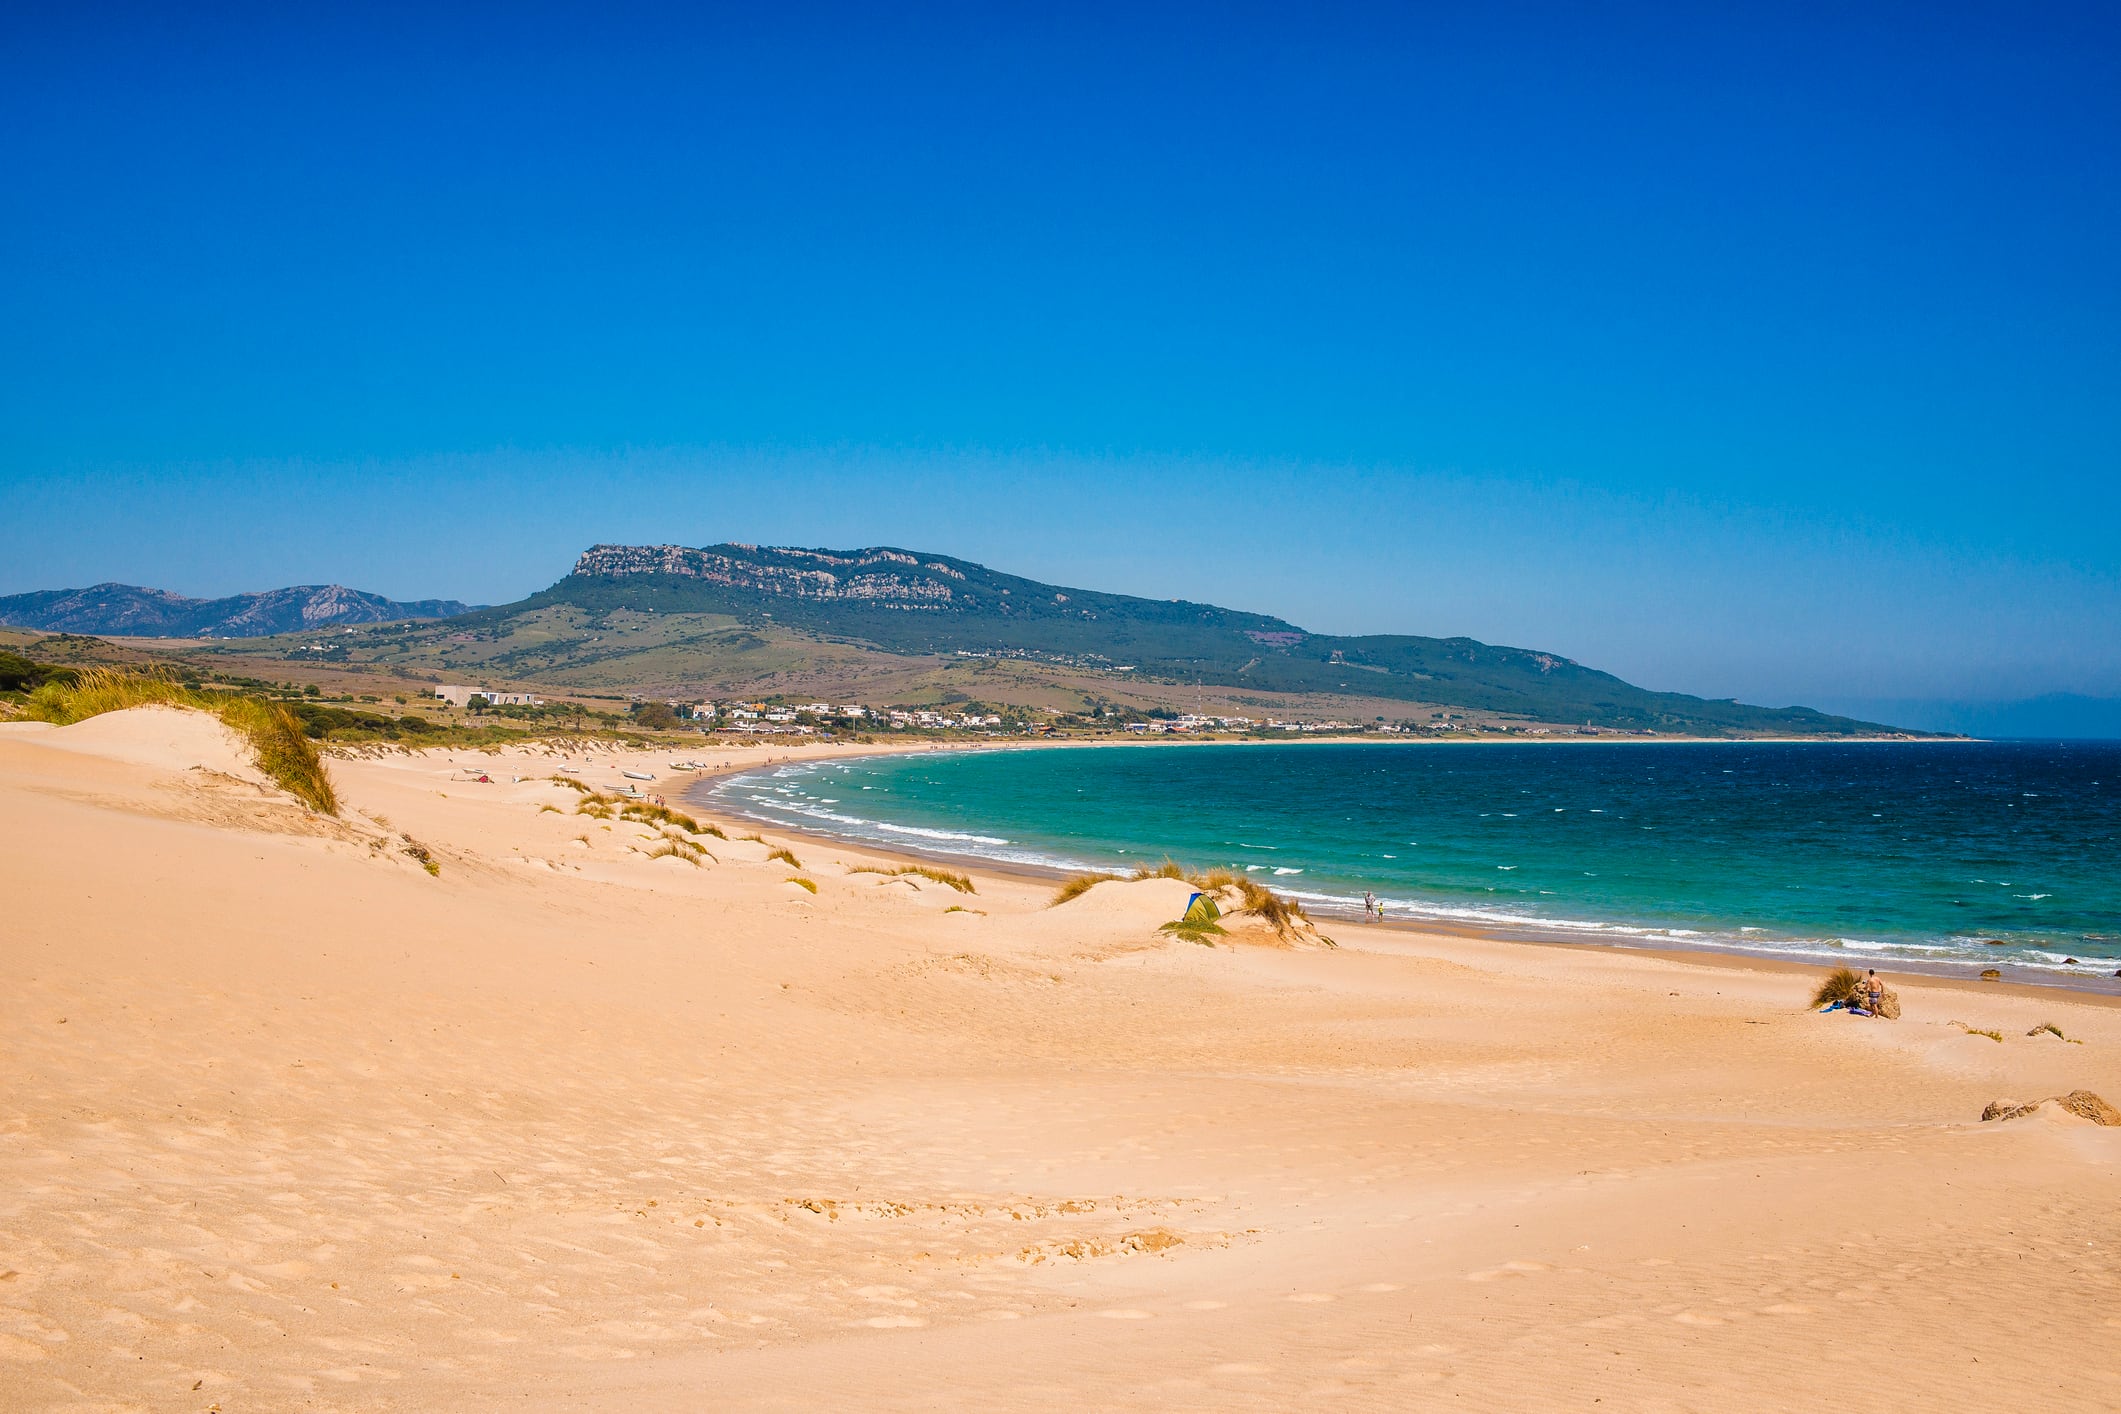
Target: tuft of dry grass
(1996,1036)
(1169,869)
(572,784)
(941,876)
(1843,984)
(960,908)
(675,846)
(1283,915)
(549,809)
(648,813)
(274,735)
(787,856)
(1203,931)
(1077,886)
(2050,1028)
(802,882)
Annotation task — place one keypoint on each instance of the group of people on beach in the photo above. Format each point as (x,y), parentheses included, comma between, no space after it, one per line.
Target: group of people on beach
(1373,908)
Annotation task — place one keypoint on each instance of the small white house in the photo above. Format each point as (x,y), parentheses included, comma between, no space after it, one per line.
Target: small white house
(458,695)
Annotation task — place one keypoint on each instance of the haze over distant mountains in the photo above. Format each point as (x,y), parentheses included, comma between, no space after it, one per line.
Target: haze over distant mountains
(126,610)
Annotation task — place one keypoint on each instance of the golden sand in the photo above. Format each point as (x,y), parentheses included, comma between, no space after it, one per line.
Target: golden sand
(288,1122)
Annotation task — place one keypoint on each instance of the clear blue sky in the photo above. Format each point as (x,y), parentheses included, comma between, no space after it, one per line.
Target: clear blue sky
(1771,352)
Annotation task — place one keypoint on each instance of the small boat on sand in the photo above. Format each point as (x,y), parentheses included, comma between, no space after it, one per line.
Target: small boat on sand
(637,775)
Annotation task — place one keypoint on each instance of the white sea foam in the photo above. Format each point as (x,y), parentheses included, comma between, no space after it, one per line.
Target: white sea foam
(779,794)
(928,834)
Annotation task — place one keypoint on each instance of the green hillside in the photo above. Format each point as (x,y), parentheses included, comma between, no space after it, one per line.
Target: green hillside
(911,604)
(891,626)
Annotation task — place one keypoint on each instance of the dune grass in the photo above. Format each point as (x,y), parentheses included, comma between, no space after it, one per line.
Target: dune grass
(1283,915)
(274,735)
(941,876)
(1996,1036)
(1843,984)
(678,847)
(647,812)
(572,784)
(786,855)
(2050,1028)
(802,882)
(1203,931)
(1077,886)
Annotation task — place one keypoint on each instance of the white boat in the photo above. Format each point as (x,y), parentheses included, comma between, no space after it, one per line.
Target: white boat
(637,775)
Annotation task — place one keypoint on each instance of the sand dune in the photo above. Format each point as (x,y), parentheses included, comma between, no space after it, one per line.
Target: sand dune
(290,1122)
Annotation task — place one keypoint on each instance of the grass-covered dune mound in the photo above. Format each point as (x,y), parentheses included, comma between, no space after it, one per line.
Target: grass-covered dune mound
(273,734)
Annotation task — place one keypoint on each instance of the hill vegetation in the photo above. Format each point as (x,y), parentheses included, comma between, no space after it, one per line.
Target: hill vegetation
(888,626)
(129,610)
(904,603)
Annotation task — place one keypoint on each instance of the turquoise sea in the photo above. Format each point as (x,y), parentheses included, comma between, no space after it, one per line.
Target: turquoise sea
(1947,855)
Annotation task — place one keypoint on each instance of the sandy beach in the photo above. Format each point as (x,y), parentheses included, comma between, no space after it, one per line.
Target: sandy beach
(292,1122)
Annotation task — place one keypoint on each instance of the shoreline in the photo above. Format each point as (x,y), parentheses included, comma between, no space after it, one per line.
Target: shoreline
(2104,990)
(467,1097)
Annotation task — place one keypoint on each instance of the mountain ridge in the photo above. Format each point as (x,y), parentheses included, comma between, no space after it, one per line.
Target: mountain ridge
(909,602)
(129,610)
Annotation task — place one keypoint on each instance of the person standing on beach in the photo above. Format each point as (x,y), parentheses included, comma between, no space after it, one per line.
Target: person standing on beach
(1369,907)
(1873,990)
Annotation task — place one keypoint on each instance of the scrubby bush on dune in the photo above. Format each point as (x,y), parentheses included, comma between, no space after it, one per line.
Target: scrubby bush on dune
(786,855)
(275,737)
(1843,984)
(1283,915)
(20,674)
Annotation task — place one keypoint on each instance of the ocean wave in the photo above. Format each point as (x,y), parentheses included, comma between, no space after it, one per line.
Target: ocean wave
(779,795)
(928,834)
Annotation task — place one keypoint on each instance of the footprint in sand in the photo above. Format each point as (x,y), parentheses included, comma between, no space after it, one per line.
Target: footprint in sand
(892,1323)
(1377,1288)
(1786,1308)
(1696,1318)
(1310,1298)
(1125,1314)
